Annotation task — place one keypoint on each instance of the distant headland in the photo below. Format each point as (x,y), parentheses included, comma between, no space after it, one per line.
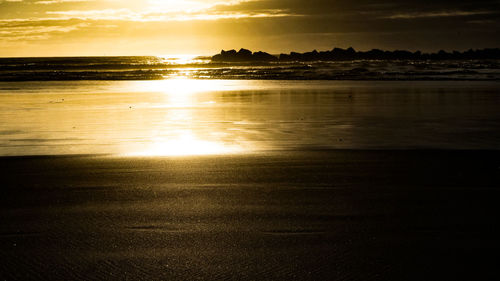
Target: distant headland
(338,54)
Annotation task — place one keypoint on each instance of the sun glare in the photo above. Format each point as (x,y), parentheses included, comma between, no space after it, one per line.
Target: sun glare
(181,85)
(185,144)
(178,5)
(183,132)
(181,59)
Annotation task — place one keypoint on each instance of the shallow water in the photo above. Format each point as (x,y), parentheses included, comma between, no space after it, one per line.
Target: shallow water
(197,117)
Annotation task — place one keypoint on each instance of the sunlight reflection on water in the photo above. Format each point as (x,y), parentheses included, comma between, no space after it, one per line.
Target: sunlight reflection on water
(180,97)
(181,117)
(185,140)
(185,144)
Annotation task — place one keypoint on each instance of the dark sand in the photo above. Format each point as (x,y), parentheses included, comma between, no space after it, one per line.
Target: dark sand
(320,215)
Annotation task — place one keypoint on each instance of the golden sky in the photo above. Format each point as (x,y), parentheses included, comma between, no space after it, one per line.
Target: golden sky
(157,27)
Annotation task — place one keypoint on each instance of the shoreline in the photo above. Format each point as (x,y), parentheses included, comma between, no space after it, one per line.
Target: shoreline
(263,153)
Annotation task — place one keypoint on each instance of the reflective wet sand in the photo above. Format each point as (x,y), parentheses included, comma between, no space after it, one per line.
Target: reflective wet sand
(199,117)
(249,180)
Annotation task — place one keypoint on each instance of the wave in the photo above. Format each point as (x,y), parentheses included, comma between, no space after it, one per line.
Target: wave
(155,68)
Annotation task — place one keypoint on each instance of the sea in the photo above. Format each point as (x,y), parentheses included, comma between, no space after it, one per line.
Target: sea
(187,105)
(196,67)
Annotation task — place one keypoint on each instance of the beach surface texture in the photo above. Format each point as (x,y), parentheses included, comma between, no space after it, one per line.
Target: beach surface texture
(324,215)
(187,179)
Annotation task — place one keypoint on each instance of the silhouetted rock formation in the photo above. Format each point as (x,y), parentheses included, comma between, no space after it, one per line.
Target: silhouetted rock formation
(338,54)
(243,55)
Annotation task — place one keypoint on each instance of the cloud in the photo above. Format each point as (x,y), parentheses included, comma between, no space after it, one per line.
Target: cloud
(439,14)
(124,14)
(49,2)
(46,1)
(15,30)
(252,23)
(162,12)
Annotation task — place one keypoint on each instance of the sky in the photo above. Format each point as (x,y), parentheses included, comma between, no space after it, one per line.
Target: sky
(204,27)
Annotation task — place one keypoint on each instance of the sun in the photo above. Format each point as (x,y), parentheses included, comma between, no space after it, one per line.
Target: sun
(181,6)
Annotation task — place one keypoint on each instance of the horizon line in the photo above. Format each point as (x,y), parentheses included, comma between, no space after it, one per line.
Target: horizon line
(236,49)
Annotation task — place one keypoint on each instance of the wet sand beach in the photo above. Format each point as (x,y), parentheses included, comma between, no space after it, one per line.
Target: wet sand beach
(298,215)
(187,179)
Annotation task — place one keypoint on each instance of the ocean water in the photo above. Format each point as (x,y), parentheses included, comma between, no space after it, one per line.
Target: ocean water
(182,116)
(159,68)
